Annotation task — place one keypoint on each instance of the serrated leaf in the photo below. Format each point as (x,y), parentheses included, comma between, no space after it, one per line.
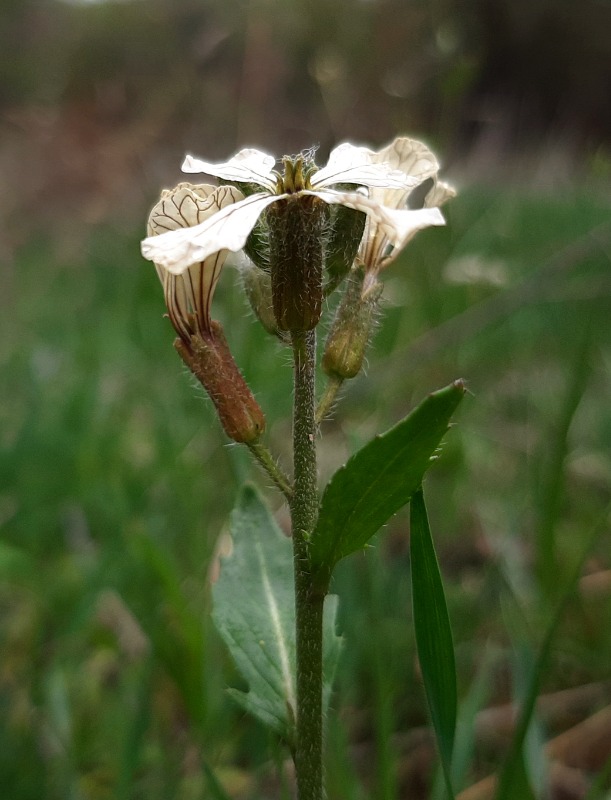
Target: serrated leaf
(433,634)
(378,480)
(254,611)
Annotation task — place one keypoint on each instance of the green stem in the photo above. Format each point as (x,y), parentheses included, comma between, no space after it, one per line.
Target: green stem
(327,401)
(308,604)
(266,460)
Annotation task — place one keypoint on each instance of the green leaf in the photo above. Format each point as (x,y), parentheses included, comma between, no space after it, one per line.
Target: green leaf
(433,634)
(254,611)
(331,648)
(378,480)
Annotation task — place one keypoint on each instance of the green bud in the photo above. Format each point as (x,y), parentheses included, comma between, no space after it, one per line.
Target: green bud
(257,245)
(346,232)
(258,288)
(349,335)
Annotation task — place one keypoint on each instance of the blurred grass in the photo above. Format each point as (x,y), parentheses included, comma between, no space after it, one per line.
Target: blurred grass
(115,483)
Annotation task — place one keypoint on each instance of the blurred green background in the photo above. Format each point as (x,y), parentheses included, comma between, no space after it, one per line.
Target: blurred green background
(115,479)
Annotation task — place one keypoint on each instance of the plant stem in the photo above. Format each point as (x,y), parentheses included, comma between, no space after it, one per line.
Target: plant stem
(266,460)
(328,398)
(308,604)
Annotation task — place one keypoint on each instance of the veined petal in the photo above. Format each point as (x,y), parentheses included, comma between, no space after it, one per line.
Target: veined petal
(350,164)
(187,205)
(190,294)
(398,225)
(411,157)
(247,166)
(228,229)
(198,286)
(176,302)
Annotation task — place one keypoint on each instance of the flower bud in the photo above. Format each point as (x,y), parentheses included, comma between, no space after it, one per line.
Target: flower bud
(258,288)
(349,335)
(347,226)
(210,360)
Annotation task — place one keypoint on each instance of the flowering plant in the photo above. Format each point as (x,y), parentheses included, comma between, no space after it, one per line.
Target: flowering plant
(308,232)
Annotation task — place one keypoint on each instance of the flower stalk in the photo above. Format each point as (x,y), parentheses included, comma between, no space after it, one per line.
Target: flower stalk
(328,399)
(308,603)
(266,461)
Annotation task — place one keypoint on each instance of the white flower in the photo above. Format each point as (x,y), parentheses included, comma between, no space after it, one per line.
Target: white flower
(229,228)
(188,295)
(415,160)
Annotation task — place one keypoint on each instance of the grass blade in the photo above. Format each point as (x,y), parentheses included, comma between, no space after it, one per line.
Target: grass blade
(514,761)
(433,634)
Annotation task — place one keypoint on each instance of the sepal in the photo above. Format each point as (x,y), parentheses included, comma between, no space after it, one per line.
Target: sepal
(210,360)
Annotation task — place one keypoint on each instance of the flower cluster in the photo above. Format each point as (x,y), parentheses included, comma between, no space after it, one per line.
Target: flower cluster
(351,217)
(193,227)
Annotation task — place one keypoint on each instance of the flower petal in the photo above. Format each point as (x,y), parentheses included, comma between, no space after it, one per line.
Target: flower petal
(350,164)
(195,288)
(401,224)
(398,225)
(411,157)
(228,229)
(439,194)
(187,204)
(247,166)
(190,294)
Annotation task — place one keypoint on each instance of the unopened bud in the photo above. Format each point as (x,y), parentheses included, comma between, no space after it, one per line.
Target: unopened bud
(258,288)
(210,360)
(346,232)
(349,335)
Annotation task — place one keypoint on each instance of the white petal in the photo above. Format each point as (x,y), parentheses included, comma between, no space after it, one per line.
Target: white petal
(187,204)
(411,157)
(439,194)
(177,303)
(228,229)
(401,224)
(247,166)
(398,225)
(193,290)
(190,294)
(350,164)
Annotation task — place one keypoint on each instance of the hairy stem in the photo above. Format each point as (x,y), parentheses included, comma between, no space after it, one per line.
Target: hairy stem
(266,460)
(327,401)
(308,604)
